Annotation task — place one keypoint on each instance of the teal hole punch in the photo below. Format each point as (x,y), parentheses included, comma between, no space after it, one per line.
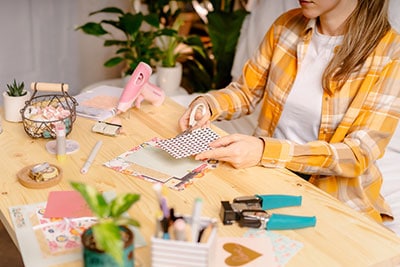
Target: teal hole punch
(250,211)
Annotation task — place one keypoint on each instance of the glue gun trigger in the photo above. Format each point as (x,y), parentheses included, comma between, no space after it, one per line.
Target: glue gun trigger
(139,100)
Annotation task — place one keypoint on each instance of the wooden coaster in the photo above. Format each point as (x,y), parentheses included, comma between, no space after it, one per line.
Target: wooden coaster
(25,180)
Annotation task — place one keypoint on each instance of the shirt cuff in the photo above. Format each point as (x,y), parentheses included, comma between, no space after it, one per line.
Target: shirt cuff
(277,153)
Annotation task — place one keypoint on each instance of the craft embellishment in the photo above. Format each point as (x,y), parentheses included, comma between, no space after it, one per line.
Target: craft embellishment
(189,144)
(106,128)
(41,175)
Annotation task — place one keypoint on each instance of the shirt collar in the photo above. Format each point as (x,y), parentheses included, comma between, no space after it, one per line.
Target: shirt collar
(308,30)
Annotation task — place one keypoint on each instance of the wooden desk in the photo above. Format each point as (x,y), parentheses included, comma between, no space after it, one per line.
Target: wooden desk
(342,237)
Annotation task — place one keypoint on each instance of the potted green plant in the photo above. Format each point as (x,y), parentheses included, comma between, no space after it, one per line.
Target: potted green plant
(15,98)
(136,45)
(175,48)
(223,23)
(108,242)
(175,43)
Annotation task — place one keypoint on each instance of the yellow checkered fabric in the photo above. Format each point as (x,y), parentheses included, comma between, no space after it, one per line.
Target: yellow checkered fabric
(357,121)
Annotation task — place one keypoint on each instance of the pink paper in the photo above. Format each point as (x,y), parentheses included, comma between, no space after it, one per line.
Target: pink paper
(66,204)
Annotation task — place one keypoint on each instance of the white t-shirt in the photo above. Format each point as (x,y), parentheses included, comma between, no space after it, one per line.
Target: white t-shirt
(301,116)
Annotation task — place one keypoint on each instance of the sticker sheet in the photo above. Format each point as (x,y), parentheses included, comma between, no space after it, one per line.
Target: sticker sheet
(149,162)
(189,144)
(45,242)
(284,247)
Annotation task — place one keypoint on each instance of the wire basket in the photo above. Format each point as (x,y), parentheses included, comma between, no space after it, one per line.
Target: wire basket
(38,113)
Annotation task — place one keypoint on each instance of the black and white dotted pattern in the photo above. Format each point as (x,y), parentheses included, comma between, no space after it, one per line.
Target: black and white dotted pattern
(189,144)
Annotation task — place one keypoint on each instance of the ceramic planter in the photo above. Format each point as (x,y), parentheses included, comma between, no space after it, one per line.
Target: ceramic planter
(169,79)
(93,257)
(13,106)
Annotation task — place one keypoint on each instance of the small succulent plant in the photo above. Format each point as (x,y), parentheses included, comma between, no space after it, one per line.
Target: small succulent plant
(16,89)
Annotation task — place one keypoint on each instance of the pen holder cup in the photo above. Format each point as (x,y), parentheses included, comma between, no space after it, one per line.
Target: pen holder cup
(168,252)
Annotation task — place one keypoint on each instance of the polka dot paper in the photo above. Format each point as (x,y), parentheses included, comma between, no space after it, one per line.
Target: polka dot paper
(189,144)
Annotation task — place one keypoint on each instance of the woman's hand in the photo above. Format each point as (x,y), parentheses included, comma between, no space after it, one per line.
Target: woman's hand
(240,150)
(202,120)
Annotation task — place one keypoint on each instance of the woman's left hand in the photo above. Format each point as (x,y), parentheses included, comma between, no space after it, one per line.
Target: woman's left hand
(240,150)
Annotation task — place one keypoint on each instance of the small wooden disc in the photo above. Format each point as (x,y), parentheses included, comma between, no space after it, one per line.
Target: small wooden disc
(25,180)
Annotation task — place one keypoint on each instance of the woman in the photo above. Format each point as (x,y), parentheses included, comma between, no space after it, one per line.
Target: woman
(328,78)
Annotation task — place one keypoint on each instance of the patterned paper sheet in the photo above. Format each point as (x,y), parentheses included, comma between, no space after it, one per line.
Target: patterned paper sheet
(149,162)
(189,144)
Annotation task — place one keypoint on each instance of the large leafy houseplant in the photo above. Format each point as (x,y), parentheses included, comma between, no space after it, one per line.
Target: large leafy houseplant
(223,26)
(110,217)
(137,44)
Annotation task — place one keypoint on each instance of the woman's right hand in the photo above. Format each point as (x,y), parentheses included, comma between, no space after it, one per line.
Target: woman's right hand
(202,120)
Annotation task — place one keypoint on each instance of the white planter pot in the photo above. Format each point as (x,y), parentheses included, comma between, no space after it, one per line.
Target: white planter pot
(13,106)
(169,79)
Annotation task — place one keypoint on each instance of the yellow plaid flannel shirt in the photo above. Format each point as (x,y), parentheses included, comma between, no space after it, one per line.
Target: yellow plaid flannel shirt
(357,121)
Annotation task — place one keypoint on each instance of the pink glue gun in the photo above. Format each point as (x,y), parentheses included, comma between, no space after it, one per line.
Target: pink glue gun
(139,88)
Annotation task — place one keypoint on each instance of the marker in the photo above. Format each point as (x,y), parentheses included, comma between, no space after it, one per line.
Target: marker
(198,203)
(91,157)
(164,207)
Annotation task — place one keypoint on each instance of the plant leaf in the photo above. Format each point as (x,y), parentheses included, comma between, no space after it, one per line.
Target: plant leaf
(113,61)
(93,198)
(108,238)
(127,221)
(92,28)
(131,23)
(152,20)
(107,10)
(115,42)
(122,203)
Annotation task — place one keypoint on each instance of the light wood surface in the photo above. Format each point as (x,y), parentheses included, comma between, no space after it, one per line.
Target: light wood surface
(342,237)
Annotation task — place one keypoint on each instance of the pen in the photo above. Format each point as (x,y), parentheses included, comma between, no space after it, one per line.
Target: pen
(91,157)
(196,219)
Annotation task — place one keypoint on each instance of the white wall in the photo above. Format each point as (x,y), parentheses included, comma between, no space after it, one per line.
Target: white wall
(39,43)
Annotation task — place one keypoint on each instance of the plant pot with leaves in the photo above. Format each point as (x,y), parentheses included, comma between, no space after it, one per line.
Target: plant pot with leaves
(175,48)
(108,242)
(14,100)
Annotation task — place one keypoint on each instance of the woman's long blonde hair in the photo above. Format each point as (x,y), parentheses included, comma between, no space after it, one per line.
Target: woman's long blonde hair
(364,28)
